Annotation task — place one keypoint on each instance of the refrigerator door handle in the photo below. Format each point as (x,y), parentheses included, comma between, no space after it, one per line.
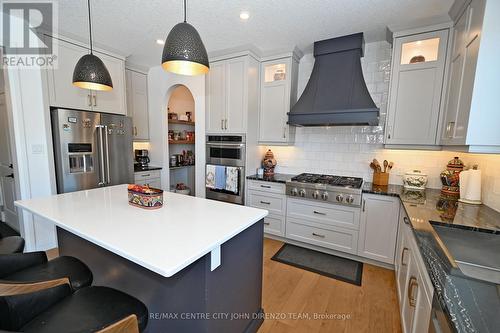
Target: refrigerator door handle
(108,178)
(101,155)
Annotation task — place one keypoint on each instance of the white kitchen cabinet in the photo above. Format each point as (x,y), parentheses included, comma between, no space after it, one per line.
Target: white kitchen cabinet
(278,91)
(269,196)
(137,103)
(236,88)
(232,94)
(415,291)
(62,93)
(216,97)
(378,227)
(471,118)
(417,77)
(113,101)
(149,178)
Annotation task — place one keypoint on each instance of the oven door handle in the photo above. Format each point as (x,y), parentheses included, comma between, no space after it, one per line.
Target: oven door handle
(218,144)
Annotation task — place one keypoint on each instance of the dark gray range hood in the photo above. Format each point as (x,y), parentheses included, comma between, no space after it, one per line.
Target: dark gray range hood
(336,93)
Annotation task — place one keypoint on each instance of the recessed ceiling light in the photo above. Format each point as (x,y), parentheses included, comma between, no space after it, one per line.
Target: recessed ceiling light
(244,15)
(160,41)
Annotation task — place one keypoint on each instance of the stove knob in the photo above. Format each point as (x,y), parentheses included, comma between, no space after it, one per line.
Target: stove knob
(339,198)
(350,199)
(294,192)
(324,196)
(315,194)
(302,193)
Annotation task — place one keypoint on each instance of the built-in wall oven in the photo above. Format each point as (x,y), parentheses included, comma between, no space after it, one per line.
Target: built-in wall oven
(225,169)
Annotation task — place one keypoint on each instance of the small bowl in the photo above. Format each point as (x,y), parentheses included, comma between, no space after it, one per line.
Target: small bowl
(152,200)
(185,192)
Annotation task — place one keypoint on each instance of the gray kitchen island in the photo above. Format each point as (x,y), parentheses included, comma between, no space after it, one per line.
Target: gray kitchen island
(196,263)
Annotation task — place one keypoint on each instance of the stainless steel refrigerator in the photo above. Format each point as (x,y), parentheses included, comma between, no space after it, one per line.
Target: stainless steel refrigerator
(91,149)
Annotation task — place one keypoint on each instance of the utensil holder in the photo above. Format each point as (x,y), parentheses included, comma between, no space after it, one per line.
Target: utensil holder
(381,178)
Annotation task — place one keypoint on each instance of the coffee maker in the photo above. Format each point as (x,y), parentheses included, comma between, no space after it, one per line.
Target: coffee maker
(142,158)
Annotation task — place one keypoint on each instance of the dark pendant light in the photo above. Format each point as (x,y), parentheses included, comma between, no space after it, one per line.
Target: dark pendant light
(184,52)
(90,72)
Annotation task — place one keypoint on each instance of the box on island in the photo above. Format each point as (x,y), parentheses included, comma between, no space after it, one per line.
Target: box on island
(145,197)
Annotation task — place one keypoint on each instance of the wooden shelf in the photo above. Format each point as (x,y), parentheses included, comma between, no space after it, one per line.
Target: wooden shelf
(181,167)
(181,142)
(182,122)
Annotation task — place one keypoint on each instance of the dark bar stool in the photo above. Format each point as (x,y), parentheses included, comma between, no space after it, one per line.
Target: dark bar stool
(11,244)
(22,268)
(52,308)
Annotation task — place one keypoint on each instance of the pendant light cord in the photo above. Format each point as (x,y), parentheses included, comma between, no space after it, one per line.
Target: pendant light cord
(184,11)
(90,27)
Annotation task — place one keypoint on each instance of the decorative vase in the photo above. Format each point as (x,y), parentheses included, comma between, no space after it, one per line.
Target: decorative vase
(269,163)
(450,178)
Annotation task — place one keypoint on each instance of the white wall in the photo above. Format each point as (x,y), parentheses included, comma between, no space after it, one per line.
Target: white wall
(33,149)
(160,86)
(349,150)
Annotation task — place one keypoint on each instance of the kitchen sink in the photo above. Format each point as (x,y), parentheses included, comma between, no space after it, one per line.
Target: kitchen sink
(476,253)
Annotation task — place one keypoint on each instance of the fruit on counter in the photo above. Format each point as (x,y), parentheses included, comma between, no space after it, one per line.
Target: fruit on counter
(181,186)
(141,189)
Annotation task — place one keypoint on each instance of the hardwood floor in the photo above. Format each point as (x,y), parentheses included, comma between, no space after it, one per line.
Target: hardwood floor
(290,292)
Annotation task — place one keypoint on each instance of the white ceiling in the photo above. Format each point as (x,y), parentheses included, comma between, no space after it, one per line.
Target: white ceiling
(131,27)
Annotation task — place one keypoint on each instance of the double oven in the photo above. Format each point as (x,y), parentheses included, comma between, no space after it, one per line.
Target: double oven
(227,151)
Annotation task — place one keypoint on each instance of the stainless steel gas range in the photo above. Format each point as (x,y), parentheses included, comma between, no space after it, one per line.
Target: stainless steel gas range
(326,188)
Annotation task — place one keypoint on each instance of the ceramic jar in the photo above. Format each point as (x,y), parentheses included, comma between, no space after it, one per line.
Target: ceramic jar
(450,179)
(415,180)
(269,163)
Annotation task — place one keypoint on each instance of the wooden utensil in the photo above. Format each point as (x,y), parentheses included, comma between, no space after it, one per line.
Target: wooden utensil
(372,165)
(385,165)
(377,165)
(391,164)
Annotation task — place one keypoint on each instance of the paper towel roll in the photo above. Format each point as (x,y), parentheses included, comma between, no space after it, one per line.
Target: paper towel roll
(470,186)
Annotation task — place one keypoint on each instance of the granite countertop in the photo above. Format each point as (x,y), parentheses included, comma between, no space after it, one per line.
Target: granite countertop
(471,305)
(148,168)
(276,178)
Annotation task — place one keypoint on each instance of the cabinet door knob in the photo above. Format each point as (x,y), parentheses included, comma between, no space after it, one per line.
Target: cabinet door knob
(412,285)
(403,256)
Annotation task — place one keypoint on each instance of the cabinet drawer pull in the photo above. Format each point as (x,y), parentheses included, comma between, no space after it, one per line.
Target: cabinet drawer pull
(265,186)
(406,220)
(265,202)
(364,204)
(90,99)
(222,124)
(225,124)
(318,235)
(267,223)
(412,284)
(146,175)
(95,100)
(403,256)
(319,213)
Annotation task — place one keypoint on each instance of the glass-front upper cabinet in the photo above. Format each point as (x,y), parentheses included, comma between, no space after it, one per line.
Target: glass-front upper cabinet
(419,51)
(275,72)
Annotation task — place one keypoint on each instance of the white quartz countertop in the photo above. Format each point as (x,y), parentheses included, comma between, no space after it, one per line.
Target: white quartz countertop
(164,241)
